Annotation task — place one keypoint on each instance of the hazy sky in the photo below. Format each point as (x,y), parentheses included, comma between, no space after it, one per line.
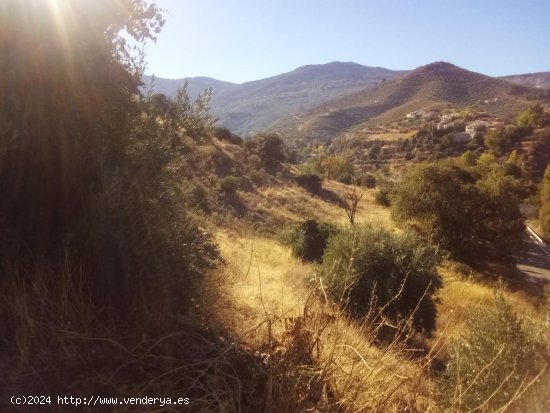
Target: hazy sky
(242,40)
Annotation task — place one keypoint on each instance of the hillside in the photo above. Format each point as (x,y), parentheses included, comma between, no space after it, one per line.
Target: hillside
(539,80)
(434,85)
(195,85)
(254,106)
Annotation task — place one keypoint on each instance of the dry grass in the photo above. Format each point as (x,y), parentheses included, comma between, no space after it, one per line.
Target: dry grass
(292,204)
(264,281)
(277,304)
(463,291)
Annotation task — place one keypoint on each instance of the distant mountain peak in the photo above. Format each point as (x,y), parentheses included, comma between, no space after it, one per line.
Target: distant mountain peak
(440,65)
(336,67)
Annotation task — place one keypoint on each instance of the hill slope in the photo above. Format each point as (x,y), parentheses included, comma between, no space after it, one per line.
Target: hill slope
(254,106)
(540,80)
(434,84)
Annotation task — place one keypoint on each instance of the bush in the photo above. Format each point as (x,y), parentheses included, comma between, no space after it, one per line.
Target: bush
(95,172)
(271,150)
(471,212)
(225,134)
(310,182)
(367,180)
(382,197)
(494,358)
(544,210)
(197,196)
(398,272)
(230,184)
(308,240)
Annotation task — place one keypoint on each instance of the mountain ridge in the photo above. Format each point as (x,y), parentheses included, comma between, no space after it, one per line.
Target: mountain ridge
(278,102)
(254,106)
(434,84)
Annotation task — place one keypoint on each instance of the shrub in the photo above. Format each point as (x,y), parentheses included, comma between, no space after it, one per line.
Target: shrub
(230,184)
(471,212)
(544,211)
(95,172)
(496,357)
(382,197)
(367,266)
(310,182)
(271,150)
(197,196)
(367,180)
(308,240)
(345,179)
(225,134)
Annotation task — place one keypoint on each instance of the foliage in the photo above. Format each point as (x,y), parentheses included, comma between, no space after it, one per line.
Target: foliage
(336,167)
(66,108)
(544,211)
(368,267)
(194,118)
(225,134)
(384,193)
(196,195)
(366,180)
(469,211)
(308,240)
(492,362)
(534,117)
(270,148)
(311,182)
(230,184)
(496,140)
(90,166)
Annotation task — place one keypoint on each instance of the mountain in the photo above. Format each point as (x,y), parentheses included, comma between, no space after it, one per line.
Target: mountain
(438,84)
(195,85)
(540,80)
(254,106)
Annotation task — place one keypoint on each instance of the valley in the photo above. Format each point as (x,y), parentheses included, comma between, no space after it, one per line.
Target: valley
(339,238)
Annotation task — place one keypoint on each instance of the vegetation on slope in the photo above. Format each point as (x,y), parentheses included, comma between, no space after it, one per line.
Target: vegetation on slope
(437,83)
(111,284)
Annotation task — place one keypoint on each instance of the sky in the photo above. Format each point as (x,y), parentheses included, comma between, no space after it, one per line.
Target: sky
(245,40)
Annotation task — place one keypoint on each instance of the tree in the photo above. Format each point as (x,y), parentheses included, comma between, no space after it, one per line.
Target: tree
(68,81)
(308,240)
(534,117)
(87,172)
(544,211)
(351,203)
(271,149)
(496,140)
(469,212)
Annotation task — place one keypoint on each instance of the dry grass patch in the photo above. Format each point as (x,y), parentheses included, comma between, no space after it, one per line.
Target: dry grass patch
(461,293)
(264,281)
(319,358)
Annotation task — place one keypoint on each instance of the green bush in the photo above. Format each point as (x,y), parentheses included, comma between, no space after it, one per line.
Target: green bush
(366,263)
(382,197)
(197,196)
(497,356)
(310,182)
(230,184)
(225,134)
(308,240)
(470,211)
(95,172)
(544,210)
(367,180)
